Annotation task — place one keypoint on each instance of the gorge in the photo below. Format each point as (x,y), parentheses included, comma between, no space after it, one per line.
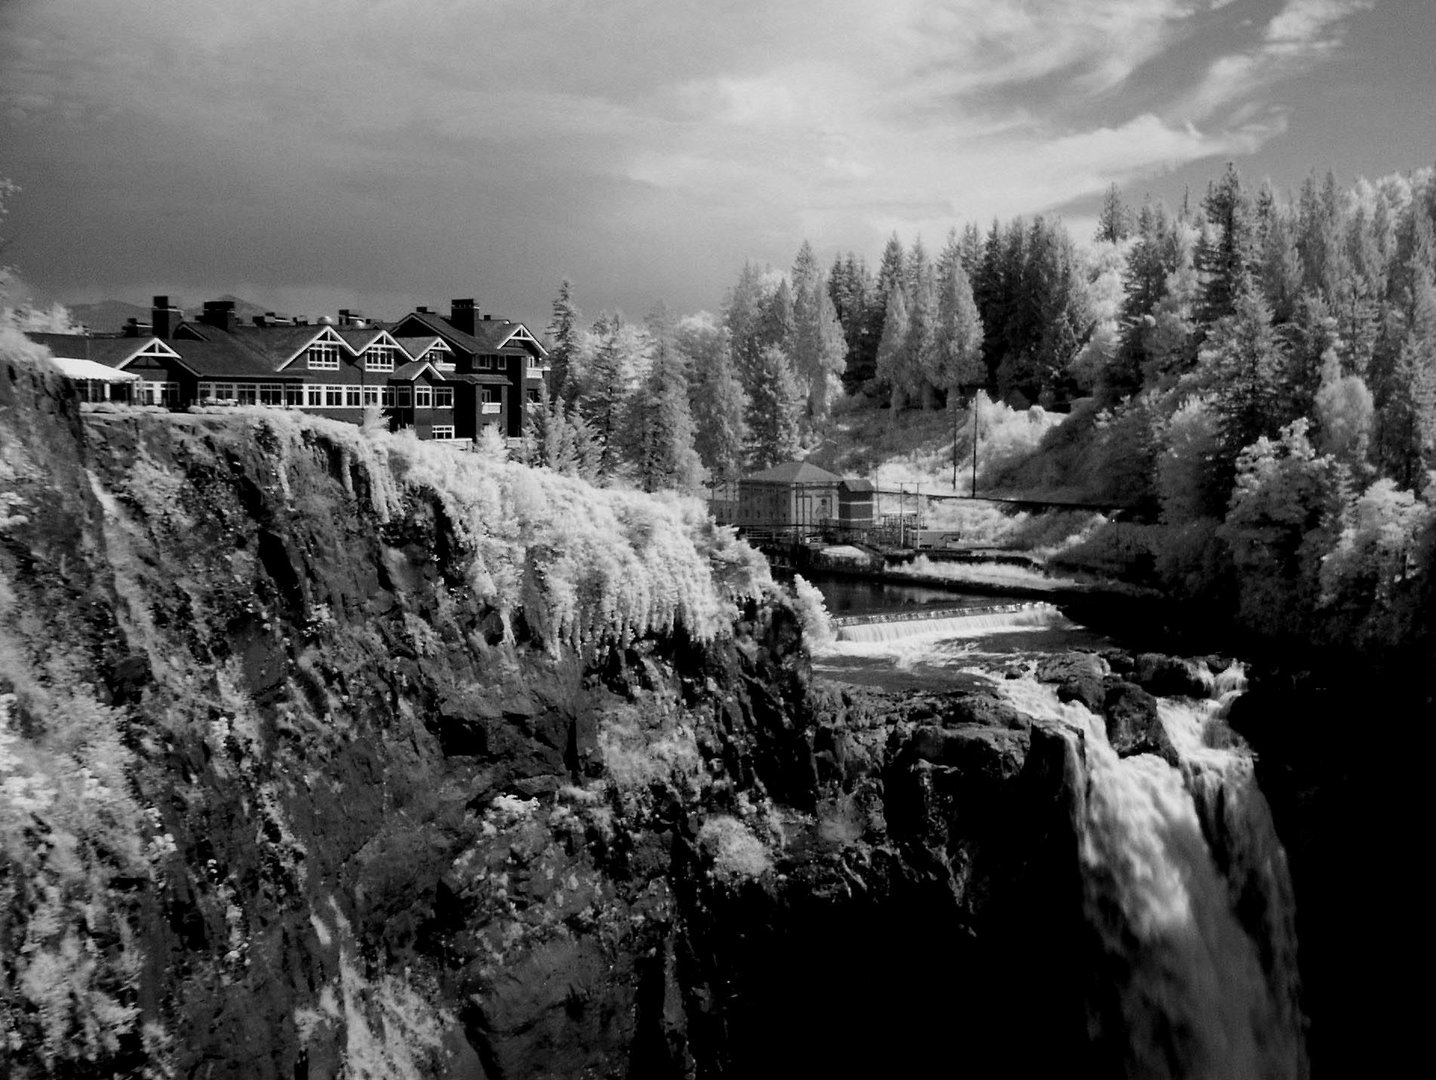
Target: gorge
(324,755)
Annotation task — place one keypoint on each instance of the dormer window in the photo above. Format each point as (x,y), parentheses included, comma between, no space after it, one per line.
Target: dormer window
(323,356)
(379,358)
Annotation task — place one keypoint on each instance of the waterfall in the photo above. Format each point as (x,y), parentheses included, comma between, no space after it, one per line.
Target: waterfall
(1188,893)
(953,625)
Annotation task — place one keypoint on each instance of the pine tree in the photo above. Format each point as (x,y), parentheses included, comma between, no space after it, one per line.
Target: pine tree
(959,327)
(718,402)
(819,349)
(1227,254)
(659,421)
(850,288)
(614,359)
(557,437)
(563,336)
(1244,363)
(892,362)
(1114,222)
(743,315)
(775,415)
(923,364)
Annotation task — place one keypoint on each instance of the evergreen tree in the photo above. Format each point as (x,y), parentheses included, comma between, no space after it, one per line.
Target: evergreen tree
(557,437)
(776,410)
(850,288)
(718,402)
(1114,221)
(563,335)
(744,315)
(959,327)
(893,366)
(660,424)
(923,364)
(1243,364)
(1227,254)
(891,276)
(819,349)
(613,360)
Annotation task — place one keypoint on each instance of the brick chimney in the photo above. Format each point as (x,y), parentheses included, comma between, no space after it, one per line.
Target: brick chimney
(219,314)
(462,314)
(164,318)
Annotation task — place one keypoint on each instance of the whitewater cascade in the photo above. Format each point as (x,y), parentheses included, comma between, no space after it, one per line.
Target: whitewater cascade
(1187,889)
(974,623)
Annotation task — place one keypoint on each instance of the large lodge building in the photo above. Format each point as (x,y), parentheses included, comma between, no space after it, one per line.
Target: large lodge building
(446,377)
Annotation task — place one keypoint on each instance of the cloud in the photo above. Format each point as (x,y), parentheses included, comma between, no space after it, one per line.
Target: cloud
(1300,34)
(627,137)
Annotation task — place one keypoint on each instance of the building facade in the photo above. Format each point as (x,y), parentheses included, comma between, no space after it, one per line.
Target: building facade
(448,378)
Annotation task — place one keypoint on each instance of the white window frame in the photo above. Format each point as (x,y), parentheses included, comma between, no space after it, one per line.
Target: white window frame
(371,396)
(442,432)
(443,397)
(314,395)
(323,356)
(294,395)
(333,396)
(423,397)
(271,394)
(246,393)
(379,358)
(386,397)
(353,397)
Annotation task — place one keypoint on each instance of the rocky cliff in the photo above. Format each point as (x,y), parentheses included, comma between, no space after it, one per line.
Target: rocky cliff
(313,763)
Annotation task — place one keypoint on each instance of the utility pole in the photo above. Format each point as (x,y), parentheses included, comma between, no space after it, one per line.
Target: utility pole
(953,398)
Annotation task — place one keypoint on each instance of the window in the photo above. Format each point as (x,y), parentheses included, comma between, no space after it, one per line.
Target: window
(379,358)
(439,355)
(271,393)
(534,395)
(324,356)
(371,396)
(160,393)
(491,394)
(352,399)
(487,361)
(443,397)
(423,397)
(314,396)
(246,394)
(294,395)
(386,397)
(405,397)
(223,391)
(334,397)
(442,431)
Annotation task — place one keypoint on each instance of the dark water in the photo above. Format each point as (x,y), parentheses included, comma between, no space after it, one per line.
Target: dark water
(860,596)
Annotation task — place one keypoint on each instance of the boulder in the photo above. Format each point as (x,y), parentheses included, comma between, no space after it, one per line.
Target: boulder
(1078,677)
(1133,724)
(1171,676)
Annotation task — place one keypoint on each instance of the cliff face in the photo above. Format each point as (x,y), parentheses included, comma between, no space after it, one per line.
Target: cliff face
(282,797)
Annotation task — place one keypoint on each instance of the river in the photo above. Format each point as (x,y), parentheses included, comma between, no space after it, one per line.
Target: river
(1187,891)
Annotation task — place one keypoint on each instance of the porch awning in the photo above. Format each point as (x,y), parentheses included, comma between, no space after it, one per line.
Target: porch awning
(75,368)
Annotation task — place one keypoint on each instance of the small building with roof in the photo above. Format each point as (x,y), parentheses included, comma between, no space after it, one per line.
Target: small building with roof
(793,494)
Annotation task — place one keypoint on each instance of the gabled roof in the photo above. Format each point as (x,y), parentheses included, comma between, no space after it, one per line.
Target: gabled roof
(225,358)
(857,486)
(114,352)
(489,335)
(419,346)
(414,368)
(794,472)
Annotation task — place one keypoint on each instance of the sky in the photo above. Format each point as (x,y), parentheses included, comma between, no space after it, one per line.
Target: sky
(384,153)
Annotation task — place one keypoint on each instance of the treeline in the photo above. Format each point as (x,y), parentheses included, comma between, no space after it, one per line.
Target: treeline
(1265,392)
(662,403)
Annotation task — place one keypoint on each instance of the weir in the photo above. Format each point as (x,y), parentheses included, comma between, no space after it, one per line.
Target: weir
(956,621)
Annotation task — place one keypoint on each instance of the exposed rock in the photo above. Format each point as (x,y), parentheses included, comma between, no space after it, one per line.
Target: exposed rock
(1133,726)
(1078,676)
(1171,676)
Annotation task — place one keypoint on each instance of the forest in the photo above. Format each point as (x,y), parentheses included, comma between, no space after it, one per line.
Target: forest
(1251,374)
